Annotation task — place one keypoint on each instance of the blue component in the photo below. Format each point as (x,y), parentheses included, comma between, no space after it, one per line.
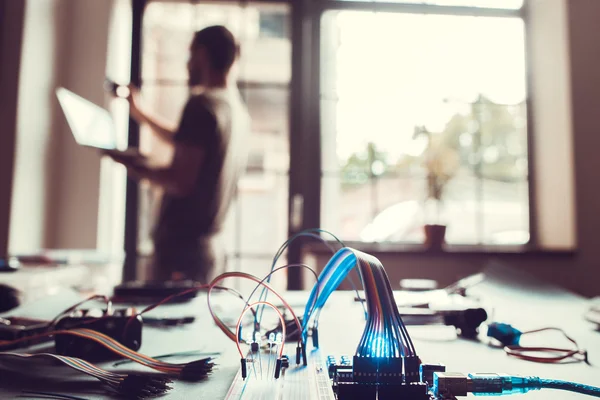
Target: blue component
(501,384)
(504,333)
(426,372)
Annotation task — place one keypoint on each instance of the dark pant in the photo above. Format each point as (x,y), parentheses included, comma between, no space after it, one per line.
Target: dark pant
(195,259)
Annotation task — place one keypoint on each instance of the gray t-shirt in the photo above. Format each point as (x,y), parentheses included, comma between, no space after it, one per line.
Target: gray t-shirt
(218,122)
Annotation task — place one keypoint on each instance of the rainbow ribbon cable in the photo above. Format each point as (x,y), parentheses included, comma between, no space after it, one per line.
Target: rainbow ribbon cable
(194,370)
(385,339)
(132,386)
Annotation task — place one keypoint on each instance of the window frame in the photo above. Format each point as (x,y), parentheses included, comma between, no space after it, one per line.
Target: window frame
(314,191)
(304,200)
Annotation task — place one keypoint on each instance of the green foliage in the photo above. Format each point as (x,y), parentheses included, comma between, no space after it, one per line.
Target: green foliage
(489,140)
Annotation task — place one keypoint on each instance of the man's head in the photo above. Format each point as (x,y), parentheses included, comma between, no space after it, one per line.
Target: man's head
(212,53)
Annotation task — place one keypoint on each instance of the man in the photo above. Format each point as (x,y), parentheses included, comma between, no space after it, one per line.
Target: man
(210,147)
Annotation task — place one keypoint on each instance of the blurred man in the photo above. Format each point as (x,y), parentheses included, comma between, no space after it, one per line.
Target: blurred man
(210,147)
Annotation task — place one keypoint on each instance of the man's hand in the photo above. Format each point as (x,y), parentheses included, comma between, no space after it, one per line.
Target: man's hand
(178,178)
(128,159)
(134,105)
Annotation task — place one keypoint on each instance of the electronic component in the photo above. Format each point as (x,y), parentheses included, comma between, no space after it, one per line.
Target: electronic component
(504,333)
(466,321)
(15,328)
(9,297)
(122,325)
(427,371)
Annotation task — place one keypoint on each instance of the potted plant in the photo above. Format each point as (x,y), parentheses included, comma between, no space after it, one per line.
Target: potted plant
(441,163)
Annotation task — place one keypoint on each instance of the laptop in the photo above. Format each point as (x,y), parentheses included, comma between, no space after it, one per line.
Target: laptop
(91,125)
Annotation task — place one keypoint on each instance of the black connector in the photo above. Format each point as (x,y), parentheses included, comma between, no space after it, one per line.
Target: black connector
(427,370)
(285,361)
(254,347)
(244,370)
(140,386)
(389,370)
(304,359)
(277,368)
(123,325)
(412,369)
(411,391)
(364,369)
(356,391)
(315,337)
(331,366)
(197,370)
(466,321)
(298,354)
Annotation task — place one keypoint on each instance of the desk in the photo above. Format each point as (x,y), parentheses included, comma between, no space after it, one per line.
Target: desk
(525,304)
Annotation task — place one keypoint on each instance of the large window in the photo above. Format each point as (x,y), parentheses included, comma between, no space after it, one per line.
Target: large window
(264,73)
(404,91)
(407,95)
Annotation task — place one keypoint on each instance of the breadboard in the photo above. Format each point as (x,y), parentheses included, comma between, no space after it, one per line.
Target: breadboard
(298,382)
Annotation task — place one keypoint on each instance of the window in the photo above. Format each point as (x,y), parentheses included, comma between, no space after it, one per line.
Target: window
(399,89)
(499,4)
(264,74)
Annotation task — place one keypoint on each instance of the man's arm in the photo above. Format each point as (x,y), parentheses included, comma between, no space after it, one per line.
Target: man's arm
(162,128)
(197,134)
(179,178)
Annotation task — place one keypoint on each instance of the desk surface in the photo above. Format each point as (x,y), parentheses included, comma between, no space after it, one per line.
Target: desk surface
(511,298)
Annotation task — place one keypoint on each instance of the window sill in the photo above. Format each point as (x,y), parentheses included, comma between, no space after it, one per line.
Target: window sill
(415,249)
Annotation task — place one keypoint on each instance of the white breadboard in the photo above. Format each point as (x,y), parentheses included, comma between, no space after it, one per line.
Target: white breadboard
(297,382)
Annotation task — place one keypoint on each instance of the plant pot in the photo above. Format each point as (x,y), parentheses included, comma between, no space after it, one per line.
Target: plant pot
(435,237)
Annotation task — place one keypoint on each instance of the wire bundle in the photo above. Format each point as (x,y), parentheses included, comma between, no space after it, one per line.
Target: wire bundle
(194,370)
(385,346)
(132,386)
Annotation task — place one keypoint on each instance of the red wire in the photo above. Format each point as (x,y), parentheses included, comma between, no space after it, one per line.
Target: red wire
(521,351)
(239,324)
(244,275)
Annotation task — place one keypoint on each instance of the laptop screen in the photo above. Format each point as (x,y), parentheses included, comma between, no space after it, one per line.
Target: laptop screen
(91,125)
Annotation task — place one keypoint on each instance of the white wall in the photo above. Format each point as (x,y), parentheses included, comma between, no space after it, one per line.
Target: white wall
(78,195)
(56,193)
(38,136)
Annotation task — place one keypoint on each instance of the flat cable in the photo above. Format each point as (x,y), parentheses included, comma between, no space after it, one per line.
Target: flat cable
(129,385)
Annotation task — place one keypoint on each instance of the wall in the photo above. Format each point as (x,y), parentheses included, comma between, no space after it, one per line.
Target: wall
(56,186)
(585,82)
(78,188)
(38,136)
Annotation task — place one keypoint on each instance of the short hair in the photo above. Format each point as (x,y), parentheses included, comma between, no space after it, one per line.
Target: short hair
(220,45)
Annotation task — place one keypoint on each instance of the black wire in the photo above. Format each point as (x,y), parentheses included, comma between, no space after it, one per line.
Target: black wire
(51,395)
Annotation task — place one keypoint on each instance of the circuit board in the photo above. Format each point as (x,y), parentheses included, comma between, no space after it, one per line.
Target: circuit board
(298,382)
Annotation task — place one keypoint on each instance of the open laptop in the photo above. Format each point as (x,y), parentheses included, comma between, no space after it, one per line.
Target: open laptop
(91,125)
